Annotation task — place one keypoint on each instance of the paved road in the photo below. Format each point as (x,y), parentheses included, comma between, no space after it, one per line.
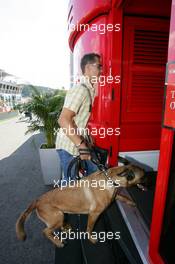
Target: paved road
(20,183)
(7,115)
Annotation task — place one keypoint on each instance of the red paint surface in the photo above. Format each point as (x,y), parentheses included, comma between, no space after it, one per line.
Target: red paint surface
(169,115)
(165,156)
(136,103)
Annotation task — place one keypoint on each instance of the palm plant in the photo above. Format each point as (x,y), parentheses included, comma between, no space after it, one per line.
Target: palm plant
(46,109)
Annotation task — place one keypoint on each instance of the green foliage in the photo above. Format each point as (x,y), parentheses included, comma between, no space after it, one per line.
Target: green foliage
(46,109)
(18,107)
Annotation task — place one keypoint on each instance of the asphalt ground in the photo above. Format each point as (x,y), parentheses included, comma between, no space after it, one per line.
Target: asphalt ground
(20,183)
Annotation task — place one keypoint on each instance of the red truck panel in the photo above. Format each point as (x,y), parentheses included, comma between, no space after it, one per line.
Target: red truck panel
(83,12)
(144,60)
(164,196)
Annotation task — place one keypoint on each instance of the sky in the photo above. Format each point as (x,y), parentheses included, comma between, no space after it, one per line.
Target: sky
(34,41)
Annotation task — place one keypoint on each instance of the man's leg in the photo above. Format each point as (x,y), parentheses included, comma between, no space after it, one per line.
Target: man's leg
(65,158)
(91,167)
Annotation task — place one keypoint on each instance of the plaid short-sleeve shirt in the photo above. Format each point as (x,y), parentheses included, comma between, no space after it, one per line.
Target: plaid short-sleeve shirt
(77,100)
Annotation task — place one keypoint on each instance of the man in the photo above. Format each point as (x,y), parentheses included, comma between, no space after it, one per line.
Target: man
(74,116)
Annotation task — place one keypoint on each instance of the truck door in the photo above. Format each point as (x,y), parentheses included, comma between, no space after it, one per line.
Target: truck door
(144,61)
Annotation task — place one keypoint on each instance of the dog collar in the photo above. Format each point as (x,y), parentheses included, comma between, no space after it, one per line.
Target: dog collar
(103,169)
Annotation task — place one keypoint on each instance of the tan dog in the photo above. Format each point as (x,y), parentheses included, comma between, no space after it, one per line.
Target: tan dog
(86,197)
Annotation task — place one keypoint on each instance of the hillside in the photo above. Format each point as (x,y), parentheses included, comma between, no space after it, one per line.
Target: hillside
(27,90)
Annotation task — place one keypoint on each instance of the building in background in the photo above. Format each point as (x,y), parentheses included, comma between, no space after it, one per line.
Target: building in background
(10,92)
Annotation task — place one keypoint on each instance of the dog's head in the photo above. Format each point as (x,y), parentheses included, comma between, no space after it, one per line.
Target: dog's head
(128,175)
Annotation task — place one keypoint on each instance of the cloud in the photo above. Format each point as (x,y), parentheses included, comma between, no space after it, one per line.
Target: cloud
(34,42)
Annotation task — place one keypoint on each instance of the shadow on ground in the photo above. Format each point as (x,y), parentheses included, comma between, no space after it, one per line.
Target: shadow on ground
(20,183)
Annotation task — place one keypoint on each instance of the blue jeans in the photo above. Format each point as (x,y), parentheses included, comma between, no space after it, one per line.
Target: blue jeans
(66,157)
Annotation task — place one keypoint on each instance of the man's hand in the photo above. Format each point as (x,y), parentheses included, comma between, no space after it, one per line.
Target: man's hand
(87,156)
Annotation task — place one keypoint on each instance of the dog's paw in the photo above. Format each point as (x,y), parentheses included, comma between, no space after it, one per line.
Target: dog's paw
(66,228)
(131,203)
(60,245)
(93,240)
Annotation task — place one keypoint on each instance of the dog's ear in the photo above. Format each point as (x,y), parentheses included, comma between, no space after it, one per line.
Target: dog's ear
(129,174)
(123,160)
(124,173)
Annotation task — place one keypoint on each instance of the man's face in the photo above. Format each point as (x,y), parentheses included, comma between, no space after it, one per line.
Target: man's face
(93,69)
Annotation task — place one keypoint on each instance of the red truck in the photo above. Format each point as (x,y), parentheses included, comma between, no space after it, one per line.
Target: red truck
(136,40)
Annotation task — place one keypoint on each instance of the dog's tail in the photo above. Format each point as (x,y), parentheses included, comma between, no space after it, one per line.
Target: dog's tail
(21,220)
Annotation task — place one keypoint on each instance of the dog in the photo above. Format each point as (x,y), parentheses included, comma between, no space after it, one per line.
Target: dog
(85,197)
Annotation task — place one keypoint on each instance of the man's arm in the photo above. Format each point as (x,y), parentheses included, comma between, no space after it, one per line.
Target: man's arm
(66,122)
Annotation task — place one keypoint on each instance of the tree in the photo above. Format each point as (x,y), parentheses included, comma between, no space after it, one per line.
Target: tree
(46,109)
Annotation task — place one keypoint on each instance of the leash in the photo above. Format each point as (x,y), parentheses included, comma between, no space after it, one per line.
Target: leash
(79,165)
(96,161)
(103,169)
